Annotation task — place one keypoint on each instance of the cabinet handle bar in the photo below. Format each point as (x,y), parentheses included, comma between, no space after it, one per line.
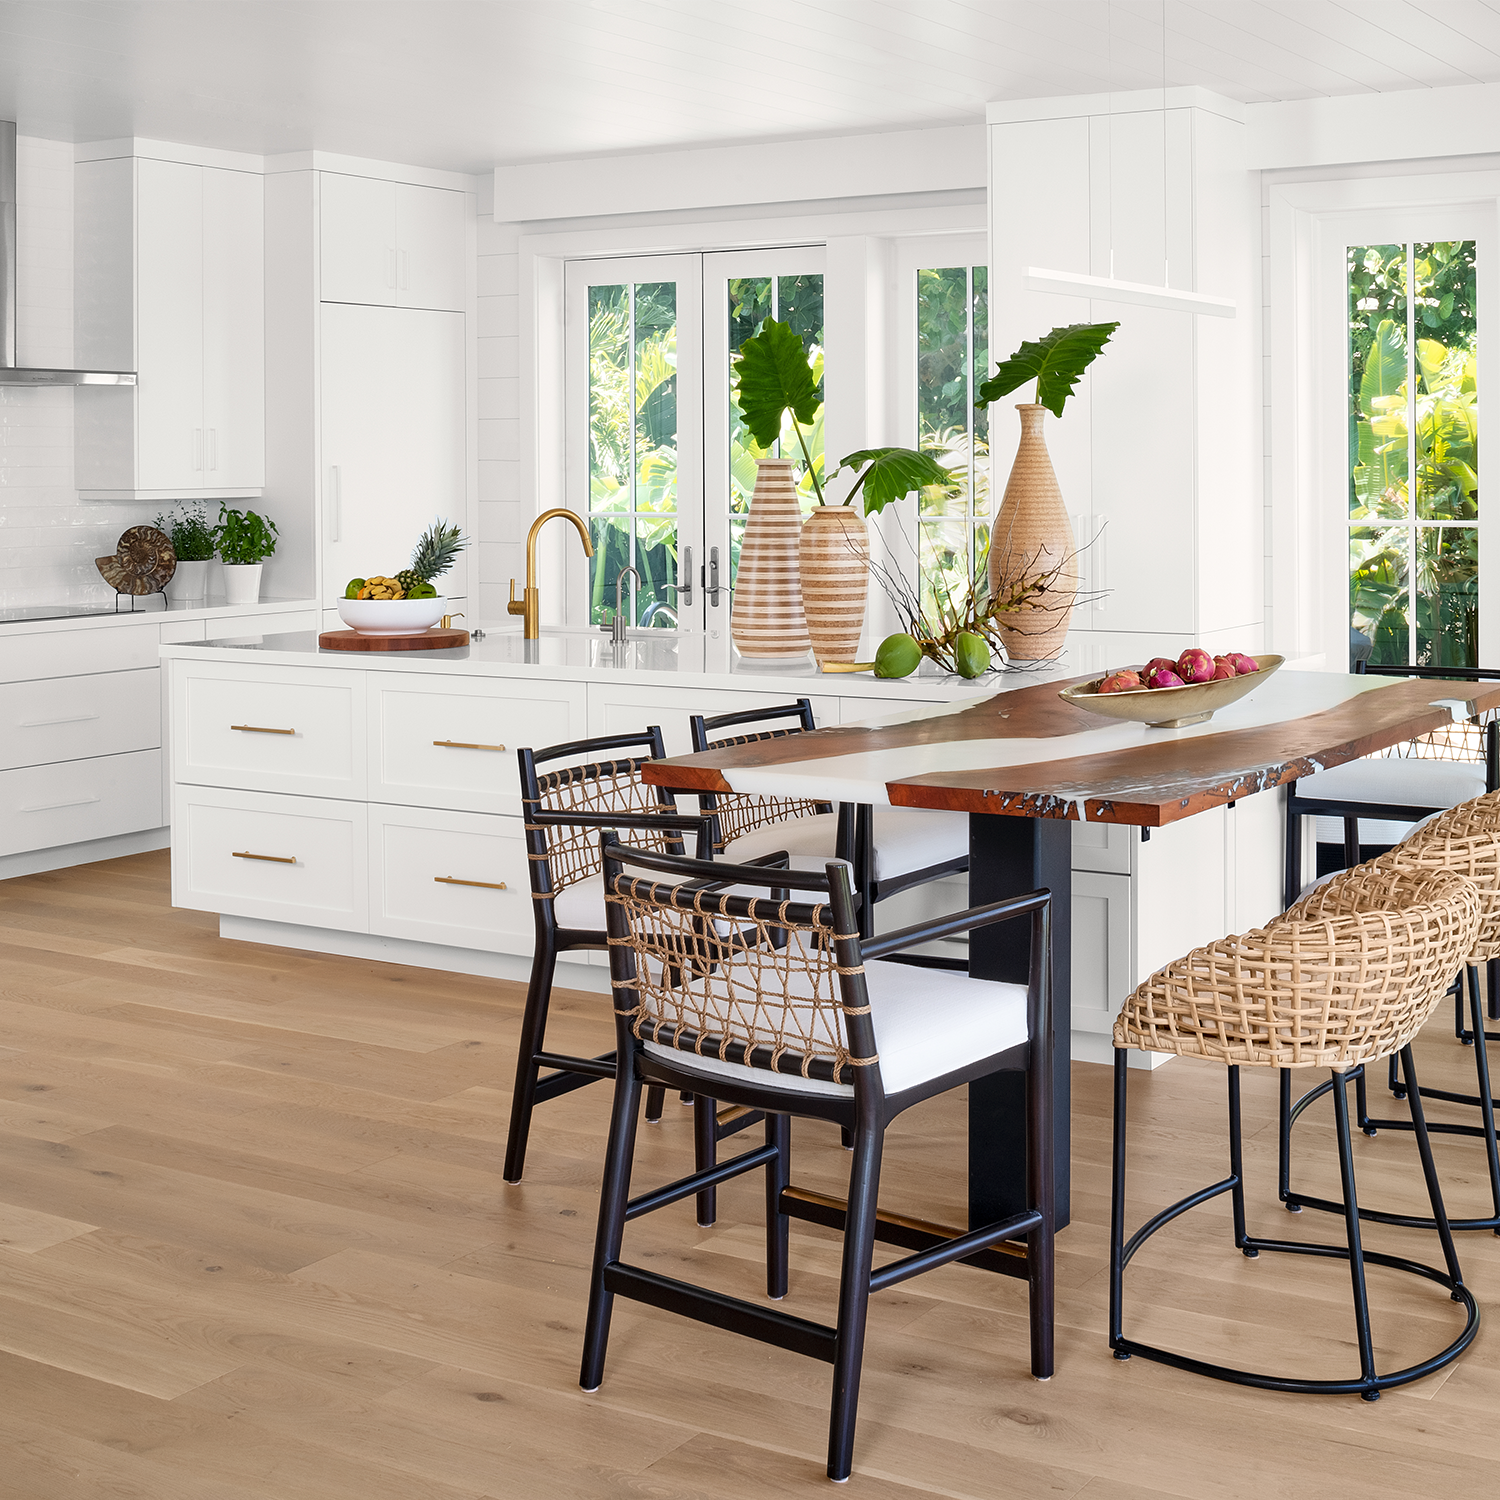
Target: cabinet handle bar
(48,806)
(465,745)
(488,885)
(260,729)
(270,859)
(47,723)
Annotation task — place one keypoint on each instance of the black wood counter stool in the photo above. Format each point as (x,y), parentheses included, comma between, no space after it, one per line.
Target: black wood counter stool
(1463,841)
(565,808)
(776,1004)
(1309,991)
(891,849)
(1426,775)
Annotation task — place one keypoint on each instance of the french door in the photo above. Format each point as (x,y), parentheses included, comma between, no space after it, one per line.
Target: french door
(658,459)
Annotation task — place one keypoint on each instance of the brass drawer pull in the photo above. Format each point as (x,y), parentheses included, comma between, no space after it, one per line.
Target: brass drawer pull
(488,885)
(257,729)
(270,859)
(465,745)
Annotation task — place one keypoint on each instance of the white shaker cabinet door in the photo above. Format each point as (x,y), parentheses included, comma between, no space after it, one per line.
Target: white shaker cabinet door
(169,331)
(357,239)
(234,381)
(1101,966)
(393,414)
(430,248)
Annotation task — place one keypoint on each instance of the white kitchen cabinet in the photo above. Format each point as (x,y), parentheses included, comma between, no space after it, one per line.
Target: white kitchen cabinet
(391,244)
(393,387)
(282,859)
(1101,963)
(448,742)
(447,877)
(168,263)
(68,802)
(73,718)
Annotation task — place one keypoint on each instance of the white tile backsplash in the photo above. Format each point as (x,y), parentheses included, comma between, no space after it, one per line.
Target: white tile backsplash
(48,540)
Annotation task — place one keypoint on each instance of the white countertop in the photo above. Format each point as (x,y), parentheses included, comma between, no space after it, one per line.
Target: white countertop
(155,614)
(581,656)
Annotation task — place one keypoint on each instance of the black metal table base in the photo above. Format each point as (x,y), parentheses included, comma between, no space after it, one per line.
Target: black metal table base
(1369,1383)
(1404,1086)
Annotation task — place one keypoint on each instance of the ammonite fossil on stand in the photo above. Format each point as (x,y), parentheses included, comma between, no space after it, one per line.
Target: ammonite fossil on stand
(143,562)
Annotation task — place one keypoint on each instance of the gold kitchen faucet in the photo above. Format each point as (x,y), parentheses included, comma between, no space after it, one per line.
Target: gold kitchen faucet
(530,603)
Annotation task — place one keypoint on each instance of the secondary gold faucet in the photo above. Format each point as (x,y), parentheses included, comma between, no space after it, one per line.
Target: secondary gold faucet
(530,603)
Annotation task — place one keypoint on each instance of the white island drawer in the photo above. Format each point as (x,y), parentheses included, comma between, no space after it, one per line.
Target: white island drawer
(444,742)
(70,718)
(73,800)
(455,878)
(287,859)
(270,729)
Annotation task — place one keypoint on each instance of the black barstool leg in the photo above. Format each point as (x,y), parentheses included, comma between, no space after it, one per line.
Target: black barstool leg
(614,1197)
(656,1097)
(1351,843)
(854,1295)
(1284,1139)
(1041,1193)
(1492,985)
(533,1031)
(1237,1167)
(705,1153)
(1459,1029)
(1351,1229)
(1362,1102)
(778,1224)
(1429,1169)
(1486,1100)
(1292,876)
(1393,1078)
(1117,1207)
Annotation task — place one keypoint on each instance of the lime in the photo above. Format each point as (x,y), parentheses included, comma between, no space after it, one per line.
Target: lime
(421,591)
(971,654)
(355,585)
(898,656)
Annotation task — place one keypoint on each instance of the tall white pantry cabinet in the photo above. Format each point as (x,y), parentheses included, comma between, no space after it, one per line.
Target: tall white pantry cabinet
(371,368)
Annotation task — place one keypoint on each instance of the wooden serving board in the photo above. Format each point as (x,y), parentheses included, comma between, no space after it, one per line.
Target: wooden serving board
(435,639)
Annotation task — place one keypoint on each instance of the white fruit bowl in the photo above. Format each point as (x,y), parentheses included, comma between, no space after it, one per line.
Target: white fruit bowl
(392,616)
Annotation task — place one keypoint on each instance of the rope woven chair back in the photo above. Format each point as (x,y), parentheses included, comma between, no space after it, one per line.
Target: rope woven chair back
(1477,816)
(606,786)
(1469,845)
(1348,975)
(742,979)
(1464,740)
(739,815)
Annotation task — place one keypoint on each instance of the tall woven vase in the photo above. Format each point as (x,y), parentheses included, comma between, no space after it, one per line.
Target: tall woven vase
(767,619)
(835,561)
(1032,535)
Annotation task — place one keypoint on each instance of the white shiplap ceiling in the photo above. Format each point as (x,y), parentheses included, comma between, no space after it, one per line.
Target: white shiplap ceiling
(465,84)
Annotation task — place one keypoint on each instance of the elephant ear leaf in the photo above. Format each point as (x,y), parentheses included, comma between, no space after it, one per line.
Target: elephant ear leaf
(1055,362)
(772,376)
(893,473)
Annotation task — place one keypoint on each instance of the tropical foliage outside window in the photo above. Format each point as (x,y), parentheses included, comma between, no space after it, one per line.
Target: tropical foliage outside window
(633,445)
(797,301)
(953,525)
(1414,452)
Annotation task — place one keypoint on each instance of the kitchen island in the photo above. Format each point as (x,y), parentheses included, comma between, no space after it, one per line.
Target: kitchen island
(367,803)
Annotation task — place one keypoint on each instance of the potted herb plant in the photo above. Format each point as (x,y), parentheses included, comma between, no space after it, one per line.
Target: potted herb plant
(193,542)
(830,551)
(244,540)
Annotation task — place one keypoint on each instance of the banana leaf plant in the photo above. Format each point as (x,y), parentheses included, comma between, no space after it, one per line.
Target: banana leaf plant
(774,380)
(1054,361)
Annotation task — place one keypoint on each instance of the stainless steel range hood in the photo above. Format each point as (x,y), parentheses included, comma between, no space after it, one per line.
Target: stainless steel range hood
(10,373)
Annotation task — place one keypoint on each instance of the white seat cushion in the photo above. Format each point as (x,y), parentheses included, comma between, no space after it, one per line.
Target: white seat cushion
(927,1022)
(906,839)
(1398,781)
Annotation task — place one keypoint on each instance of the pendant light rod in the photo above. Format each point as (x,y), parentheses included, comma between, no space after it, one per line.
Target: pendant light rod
(1139,293)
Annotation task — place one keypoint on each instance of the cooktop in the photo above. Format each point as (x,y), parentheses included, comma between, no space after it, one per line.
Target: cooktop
(52,612)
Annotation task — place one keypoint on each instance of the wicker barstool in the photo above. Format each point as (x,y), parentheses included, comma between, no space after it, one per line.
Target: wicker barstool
(777,1004)
(1334,992)
(1464,841)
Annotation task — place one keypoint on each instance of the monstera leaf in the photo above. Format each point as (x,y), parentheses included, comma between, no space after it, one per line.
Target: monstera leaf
(772,376)
(1055,362)
(892,473)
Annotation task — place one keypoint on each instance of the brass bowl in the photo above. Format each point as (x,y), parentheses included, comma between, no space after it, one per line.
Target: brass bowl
(1171,707)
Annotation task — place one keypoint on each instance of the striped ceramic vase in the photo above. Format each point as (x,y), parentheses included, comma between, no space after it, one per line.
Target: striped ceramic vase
(766,619)
(835,560)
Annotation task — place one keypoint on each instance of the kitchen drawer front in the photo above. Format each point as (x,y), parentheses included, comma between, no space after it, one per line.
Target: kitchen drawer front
(1104,847)
(433,877)
(74,653)
(445,742)
(70,718)
(311,864)
(619,708)
(73,800)
(270,729)
(252,630)
(1101,963)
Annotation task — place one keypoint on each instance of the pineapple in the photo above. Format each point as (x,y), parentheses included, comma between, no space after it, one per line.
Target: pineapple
(434,555)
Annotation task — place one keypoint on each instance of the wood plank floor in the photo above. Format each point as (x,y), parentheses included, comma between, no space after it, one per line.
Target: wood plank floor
(254,1243)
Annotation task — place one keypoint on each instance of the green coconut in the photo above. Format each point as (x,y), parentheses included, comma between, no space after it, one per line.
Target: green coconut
(899,656)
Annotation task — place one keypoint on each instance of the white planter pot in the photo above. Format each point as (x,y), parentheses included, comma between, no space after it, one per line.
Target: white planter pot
(189,583)
(242,583)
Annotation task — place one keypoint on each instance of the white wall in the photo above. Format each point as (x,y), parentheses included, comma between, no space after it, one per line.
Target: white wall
(48,541)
